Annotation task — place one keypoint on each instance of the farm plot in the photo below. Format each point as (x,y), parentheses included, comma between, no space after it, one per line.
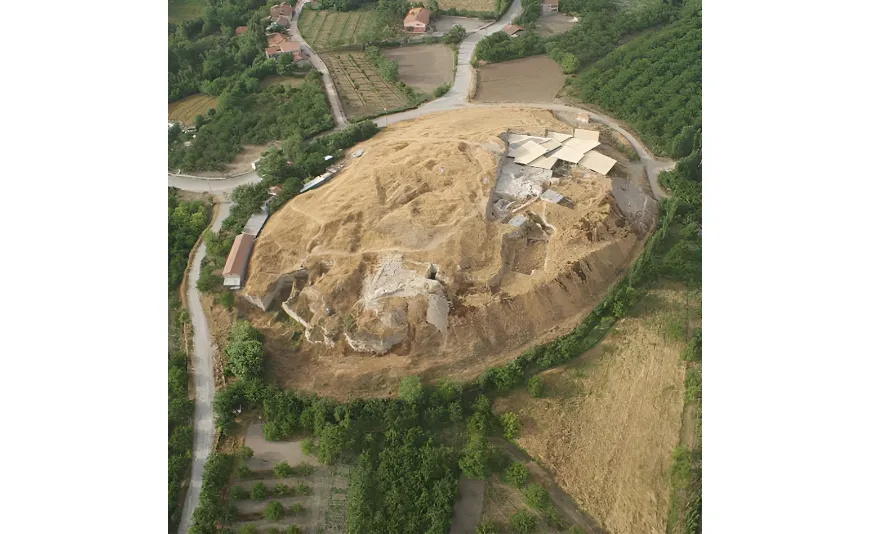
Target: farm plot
(186,109)
(311,495)
(324,30)
(423,67)
(363,92)
(292,81)
(530,79)
(482,6)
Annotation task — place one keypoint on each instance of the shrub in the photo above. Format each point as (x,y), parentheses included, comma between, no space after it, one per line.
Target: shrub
(411,389)
(258,491)
(486,526)
(245,359)
(536,496)
(511,425)
(516,474)
(243,471)
(308,447)
(238,492)
(536,387)
(304,469)
(245,451)
(282,490)
(302,489)
(282,470)
(441,90)
(293,529)
(248,529)
(576,530)
(272,530)
(227,299)
(295,509)
(523,522)
(454,35)
(274,511)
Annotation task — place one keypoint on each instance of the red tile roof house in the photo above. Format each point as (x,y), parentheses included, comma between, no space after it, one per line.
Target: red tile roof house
(280,44)
(241,29)
(279,10)
(416,20)
(549,6)
(512,29)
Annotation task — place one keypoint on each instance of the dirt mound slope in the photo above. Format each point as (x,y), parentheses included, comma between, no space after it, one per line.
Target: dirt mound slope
(397,256)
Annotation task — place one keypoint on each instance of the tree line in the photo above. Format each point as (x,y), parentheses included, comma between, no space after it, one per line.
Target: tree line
(187,220)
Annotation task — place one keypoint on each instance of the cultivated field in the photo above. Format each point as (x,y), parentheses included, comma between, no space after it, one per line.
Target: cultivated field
(423,67)
(554,24)
(320,492)
(468,5)
(181,10)
(292,81)
(530,79)
(362,90)
(607,423)
(330,29)
(186,109)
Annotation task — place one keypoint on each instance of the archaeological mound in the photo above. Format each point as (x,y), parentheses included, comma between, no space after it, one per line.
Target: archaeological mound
(437,254)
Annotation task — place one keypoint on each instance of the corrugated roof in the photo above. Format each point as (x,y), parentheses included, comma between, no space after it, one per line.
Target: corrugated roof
(237,259)
(529,152)
(583,145)
(514,147)
(580,133)
(598,162)
(569,154)
(551,144)
(544,162)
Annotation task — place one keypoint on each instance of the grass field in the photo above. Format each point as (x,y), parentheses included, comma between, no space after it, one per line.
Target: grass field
(186,109)
(330,29)
(292,81)
(363,92)
(423,67)
(181,10)
(608,422)
(530,79)
(467,5)
(554,24)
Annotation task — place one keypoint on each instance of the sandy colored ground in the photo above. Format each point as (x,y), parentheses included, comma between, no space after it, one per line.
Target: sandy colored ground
(186,109)
(423,67)
(608,423)
(530,79)
(242,163)
(468,5)
(554,24)
(419,192)
(292,81)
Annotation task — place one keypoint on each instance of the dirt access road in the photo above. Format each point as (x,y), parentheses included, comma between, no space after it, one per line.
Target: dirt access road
(203,380)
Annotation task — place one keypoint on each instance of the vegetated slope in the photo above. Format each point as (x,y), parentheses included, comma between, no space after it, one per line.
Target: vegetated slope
(606,424)
(358,251)
(653,82)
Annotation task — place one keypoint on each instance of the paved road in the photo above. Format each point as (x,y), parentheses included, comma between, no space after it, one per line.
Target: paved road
(334,101)
(203,380)
(211,185)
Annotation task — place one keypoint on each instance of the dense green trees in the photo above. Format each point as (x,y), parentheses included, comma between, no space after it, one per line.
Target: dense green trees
(654,84)
(454,35)
(187,220)
(245,351)
(180,431)
(247,115)
(500,47)
(530,13)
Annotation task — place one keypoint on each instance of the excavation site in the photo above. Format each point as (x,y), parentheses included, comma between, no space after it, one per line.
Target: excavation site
(443,246)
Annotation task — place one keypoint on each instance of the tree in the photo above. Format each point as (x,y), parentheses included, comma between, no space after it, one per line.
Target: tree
(511,425)
(245,359)
(455,35)
(523,522)
(536,496)
(475,457)
(258,491)
(411,389)
(282,470)
(684,142)
(516,474)
(536,387)
(273,511)
(308,446)
(330,443)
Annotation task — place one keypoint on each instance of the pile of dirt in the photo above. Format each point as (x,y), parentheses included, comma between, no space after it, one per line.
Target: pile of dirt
(396,256)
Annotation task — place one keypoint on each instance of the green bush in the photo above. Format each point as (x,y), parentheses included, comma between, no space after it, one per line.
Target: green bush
(238,493)
(486,526)
(245,452)
(273,511)
(248,529)
(576,529)
(411,389)
(243,471)
(258,491)
(511,425)
(293,529)
(295,509)
(304,469)
(441,90)
(536,496)
(302,489)
(227,299)
(516,474)
(693,385)
(454,35)
(523,522)
(308,446)
(283,490)
(283,470)
(536,387)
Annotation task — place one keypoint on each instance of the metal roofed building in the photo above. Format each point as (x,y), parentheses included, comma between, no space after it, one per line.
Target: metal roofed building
(237,261)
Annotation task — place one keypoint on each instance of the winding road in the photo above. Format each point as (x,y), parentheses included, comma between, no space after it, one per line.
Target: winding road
(455,98)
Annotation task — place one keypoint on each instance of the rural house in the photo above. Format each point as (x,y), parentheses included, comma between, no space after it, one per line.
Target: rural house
(237,261)
(512,30)
(241,29)
(416,20)
(549,7)
(280,44)
(281,10)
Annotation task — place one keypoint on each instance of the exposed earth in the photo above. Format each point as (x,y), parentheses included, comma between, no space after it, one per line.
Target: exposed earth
(399,256)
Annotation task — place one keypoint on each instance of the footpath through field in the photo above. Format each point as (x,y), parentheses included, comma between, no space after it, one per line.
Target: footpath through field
(203,380)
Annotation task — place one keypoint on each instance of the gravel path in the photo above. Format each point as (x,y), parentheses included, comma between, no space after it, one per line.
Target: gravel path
(203,380)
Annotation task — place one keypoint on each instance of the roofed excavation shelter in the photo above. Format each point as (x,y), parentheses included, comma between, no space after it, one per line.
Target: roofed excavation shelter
(438,254)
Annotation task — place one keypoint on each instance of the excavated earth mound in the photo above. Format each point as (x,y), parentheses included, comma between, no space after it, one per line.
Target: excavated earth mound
(397,257)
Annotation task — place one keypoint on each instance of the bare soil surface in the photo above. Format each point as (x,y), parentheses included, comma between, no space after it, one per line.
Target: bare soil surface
(469,5)
(242,163)
(186,109)
(361,89)
(530,79)
(361,246)
(292,81)
(269,453)
(423,67)
(554,24)
(608,422)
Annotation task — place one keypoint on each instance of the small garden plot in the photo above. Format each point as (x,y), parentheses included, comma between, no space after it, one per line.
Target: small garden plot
(324,30)
(186,109)
(292,81)
(554,24)
(181,10)
(362,90)
(530,79)
(423,67)
(481,6)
